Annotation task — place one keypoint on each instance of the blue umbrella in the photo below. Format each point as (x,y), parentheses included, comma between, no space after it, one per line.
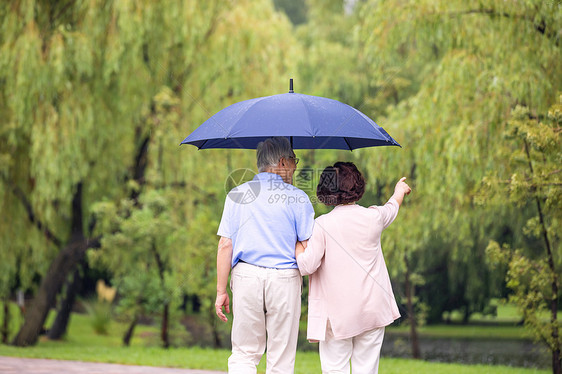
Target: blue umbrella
(310,122)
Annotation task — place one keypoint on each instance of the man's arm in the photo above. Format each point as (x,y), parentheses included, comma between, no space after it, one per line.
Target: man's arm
(224,260)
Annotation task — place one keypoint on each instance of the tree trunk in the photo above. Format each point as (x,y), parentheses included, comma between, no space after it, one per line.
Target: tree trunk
(466,315)
(165,313)
(556,363)
(5,329)
(52,282)
(411,315)
(216,337)
(129,333)
(59,327)
(164,335)
(213,321)
(556,359)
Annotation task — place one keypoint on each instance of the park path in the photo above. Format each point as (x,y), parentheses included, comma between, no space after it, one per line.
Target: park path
(13,365)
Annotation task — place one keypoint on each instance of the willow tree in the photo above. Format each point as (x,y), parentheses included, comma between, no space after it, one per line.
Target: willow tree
(53,121)
(138,250)
(444,75)
(531,177)
(78,82)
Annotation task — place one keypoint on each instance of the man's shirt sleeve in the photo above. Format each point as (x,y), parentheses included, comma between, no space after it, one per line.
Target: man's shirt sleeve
(309,261)
(304,217)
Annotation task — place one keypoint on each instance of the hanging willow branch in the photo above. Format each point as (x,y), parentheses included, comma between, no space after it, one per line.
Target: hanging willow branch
(541,26)
(17,191)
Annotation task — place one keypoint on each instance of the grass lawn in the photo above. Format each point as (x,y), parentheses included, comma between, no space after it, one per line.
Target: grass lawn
(465,331)
(84,345)
(504,325)
(505,314)
(198,358)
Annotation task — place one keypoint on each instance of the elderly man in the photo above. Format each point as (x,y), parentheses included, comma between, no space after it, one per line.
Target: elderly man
(261,223)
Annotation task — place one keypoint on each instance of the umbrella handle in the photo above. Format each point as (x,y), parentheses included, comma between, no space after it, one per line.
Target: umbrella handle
(291,86)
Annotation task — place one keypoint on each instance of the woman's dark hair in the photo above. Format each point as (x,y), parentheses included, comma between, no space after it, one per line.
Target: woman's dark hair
(340,184)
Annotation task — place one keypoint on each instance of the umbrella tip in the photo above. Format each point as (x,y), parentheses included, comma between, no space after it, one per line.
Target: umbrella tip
(291,86)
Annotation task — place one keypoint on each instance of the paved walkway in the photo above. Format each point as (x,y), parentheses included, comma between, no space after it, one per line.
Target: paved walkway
(13,365)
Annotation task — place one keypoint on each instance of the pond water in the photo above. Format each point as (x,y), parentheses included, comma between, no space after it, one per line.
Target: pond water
(520,353)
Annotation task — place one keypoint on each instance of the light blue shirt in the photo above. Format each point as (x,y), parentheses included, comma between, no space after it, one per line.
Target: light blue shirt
(264,218)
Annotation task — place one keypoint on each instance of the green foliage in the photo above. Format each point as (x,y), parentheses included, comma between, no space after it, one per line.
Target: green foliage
(532,177)
(101,315)
(140,294)
(15,318)
(328,67)
(531,284)
(442,76)
(199,264)
(533,148)
(295,10)
(138,248)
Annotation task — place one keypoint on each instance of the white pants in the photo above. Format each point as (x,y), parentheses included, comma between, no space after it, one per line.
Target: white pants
(266,306)
(362,350)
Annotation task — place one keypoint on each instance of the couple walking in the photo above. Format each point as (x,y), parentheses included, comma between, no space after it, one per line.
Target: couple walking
(271,239)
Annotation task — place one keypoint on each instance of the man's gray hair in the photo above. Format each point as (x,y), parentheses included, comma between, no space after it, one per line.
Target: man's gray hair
(271,150)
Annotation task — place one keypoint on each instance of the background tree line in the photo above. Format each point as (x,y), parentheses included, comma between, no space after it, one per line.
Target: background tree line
(95,97)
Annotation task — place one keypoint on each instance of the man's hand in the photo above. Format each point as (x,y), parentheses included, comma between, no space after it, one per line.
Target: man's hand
(300,247)
(222,301)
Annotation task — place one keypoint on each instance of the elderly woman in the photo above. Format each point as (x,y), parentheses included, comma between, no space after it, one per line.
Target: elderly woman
(350,297)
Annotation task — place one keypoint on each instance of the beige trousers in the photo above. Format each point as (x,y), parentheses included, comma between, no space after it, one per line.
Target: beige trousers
(266,306)
(362,350)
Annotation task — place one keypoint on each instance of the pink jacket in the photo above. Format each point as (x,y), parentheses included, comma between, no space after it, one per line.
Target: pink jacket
(349,282)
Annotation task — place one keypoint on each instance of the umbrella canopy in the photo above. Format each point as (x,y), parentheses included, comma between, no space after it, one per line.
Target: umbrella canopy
(310,122)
